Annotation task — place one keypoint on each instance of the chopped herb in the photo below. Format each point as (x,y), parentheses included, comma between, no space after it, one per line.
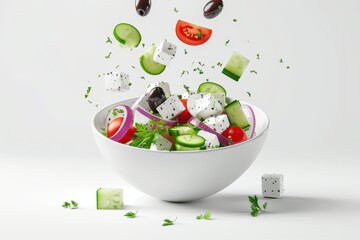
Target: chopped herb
(142,77)
(66,205)
(117,66)
(185,52)
(131,49)
(97,105)
(72,204)
(168,222)
(255,208)
(176,10)
(133,67)
(108,40)
(253,71)
(144,137)
(234,20)
(129,84)
(182,73)
(198,69)
(288,67)
(116,112)
(187,88)
(207,79)
(249,94)
(206,216)
(227,42)
(131,214)
(87,92)
(143,45)
(90,101)
(213,66)
(201,64)
(281,61)
(199,35)
(103,132)
(108,56)
(170,48)
(99,75)
(219,64)
(257,56)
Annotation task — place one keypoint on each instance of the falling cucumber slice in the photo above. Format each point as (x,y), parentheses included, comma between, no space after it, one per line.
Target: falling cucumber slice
(235,67)
(127,35)
(211,87)
(148,64)
(109,198)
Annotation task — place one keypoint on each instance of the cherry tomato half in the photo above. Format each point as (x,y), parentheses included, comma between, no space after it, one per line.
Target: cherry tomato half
(235,134)
(185,115)
(192,34)
(113,127)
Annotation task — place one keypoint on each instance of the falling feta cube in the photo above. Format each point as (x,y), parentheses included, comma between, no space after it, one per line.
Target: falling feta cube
(211,140)
(162,144)
(117,81)
(218,123)
(165,52)
(171,108)
(220,97)
(164,85)
(272,185)
(142,102)
(202,105)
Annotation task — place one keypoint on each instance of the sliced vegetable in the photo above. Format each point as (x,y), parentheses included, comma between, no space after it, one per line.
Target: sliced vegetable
(190,140)
(235,66)
(252,121)
(119,127)
(154,117)
(183,129)
(109,198)
(148,64)
(235,134)
(185,115)
(223,140)
(236,115)
(179,147)
(127,35)
(192,34)
(211,87)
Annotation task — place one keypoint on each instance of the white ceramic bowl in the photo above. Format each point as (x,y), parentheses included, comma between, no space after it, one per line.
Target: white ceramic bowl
(180,176)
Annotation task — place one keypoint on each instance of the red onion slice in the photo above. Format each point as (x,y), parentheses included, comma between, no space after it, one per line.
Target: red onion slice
(127,123)
(154,117)
(223,140)
(252,120)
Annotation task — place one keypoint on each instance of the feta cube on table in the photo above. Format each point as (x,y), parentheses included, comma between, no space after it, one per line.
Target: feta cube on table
(211,140)
(165,52)
(202,105)
(162,144)
(218,123)
(164,85)
(116,81)
(272,185)
(171,108)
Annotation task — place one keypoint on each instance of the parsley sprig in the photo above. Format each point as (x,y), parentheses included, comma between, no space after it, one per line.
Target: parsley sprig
(187,88)
(205,216)
(144,137)
(115,112)
(72,204)
(255,207)
(131,214)
(88,90)
(168,222)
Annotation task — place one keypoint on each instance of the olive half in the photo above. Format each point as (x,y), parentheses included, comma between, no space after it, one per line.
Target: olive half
(156,98)
(142,7)
(213,8)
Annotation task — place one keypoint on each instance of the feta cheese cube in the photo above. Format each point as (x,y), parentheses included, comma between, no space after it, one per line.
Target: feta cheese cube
(140,118)
(165,52)
(164,85)
(162,144)
(218,123)
(202,105)
(116,81)
(211,140)
(272,185)
(220,97)
(186,95)
(142,102)
(171,108)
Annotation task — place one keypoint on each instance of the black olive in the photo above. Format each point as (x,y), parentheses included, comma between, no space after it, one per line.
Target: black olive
(156,98)
(213,8)
(142,7)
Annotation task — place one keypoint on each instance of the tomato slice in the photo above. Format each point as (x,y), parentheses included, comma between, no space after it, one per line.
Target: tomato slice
(113,127)
(235,134)
(192,34)
(185,115)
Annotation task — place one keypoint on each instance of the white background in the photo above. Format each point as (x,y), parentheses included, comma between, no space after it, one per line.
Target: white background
(51,51)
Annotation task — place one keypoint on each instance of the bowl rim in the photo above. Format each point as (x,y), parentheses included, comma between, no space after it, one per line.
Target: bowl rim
(176,152)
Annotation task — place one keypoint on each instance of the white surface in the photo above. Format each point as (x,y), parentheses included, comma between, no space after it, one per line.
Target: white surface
(50,49)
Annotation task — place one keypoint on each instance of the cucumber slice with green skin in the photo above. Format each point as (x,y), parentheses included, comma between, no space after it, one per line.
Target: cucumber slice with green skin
(211,87)
(109,198)
(149,65)
(235,66)
(183,129)
(179,147)
(236,115)
(127,35)
(190,141)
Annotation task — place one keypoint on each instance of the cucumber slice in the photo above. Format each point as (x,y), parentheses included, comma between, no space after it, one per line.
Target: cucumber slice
(211,87)
(183,129)
(148,64)
(235,66)
(190,140)
(236,115)
(109,198)
(127,35)
(179,147)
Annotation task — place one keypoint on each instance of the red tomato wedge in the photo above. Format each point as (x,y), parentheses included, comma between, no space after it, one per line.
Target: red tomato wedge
(192,34)
(235,134)
(185,115)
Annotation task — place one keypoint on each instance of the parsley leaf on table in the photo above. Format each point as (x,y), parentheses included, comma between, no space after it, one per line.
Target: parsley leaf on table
(74,204)
(131,214)
(66,205)
(168,222)
(206,216)
(255,208)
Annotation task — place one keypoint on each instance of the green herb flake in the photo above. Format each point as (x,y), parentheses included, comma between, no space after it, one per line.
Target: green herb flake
(117,66)
(187,89)
(99,75)
(66,205)
(87,92)
(288,67)
(249,94)
(205,216)
(219,64)
(199,35)
(108,56)
(142,77)
(103,132)
(234,20)
(108,40)
(176,10)
(182,73)
(143,45)
(199,70)
(129,84)
(255,208)
(185,51)
(253,71)
(227,42)
(74,204)
(131,214)
(201,64)
(133,67)
(115,112)
(281,60)
(168,222)
(257,56)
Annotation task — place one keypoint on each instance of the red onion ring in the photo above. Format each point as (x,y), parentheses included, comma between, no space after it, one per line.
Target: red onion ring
(252,120)
(127,123)
(223,140)
(154,117)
